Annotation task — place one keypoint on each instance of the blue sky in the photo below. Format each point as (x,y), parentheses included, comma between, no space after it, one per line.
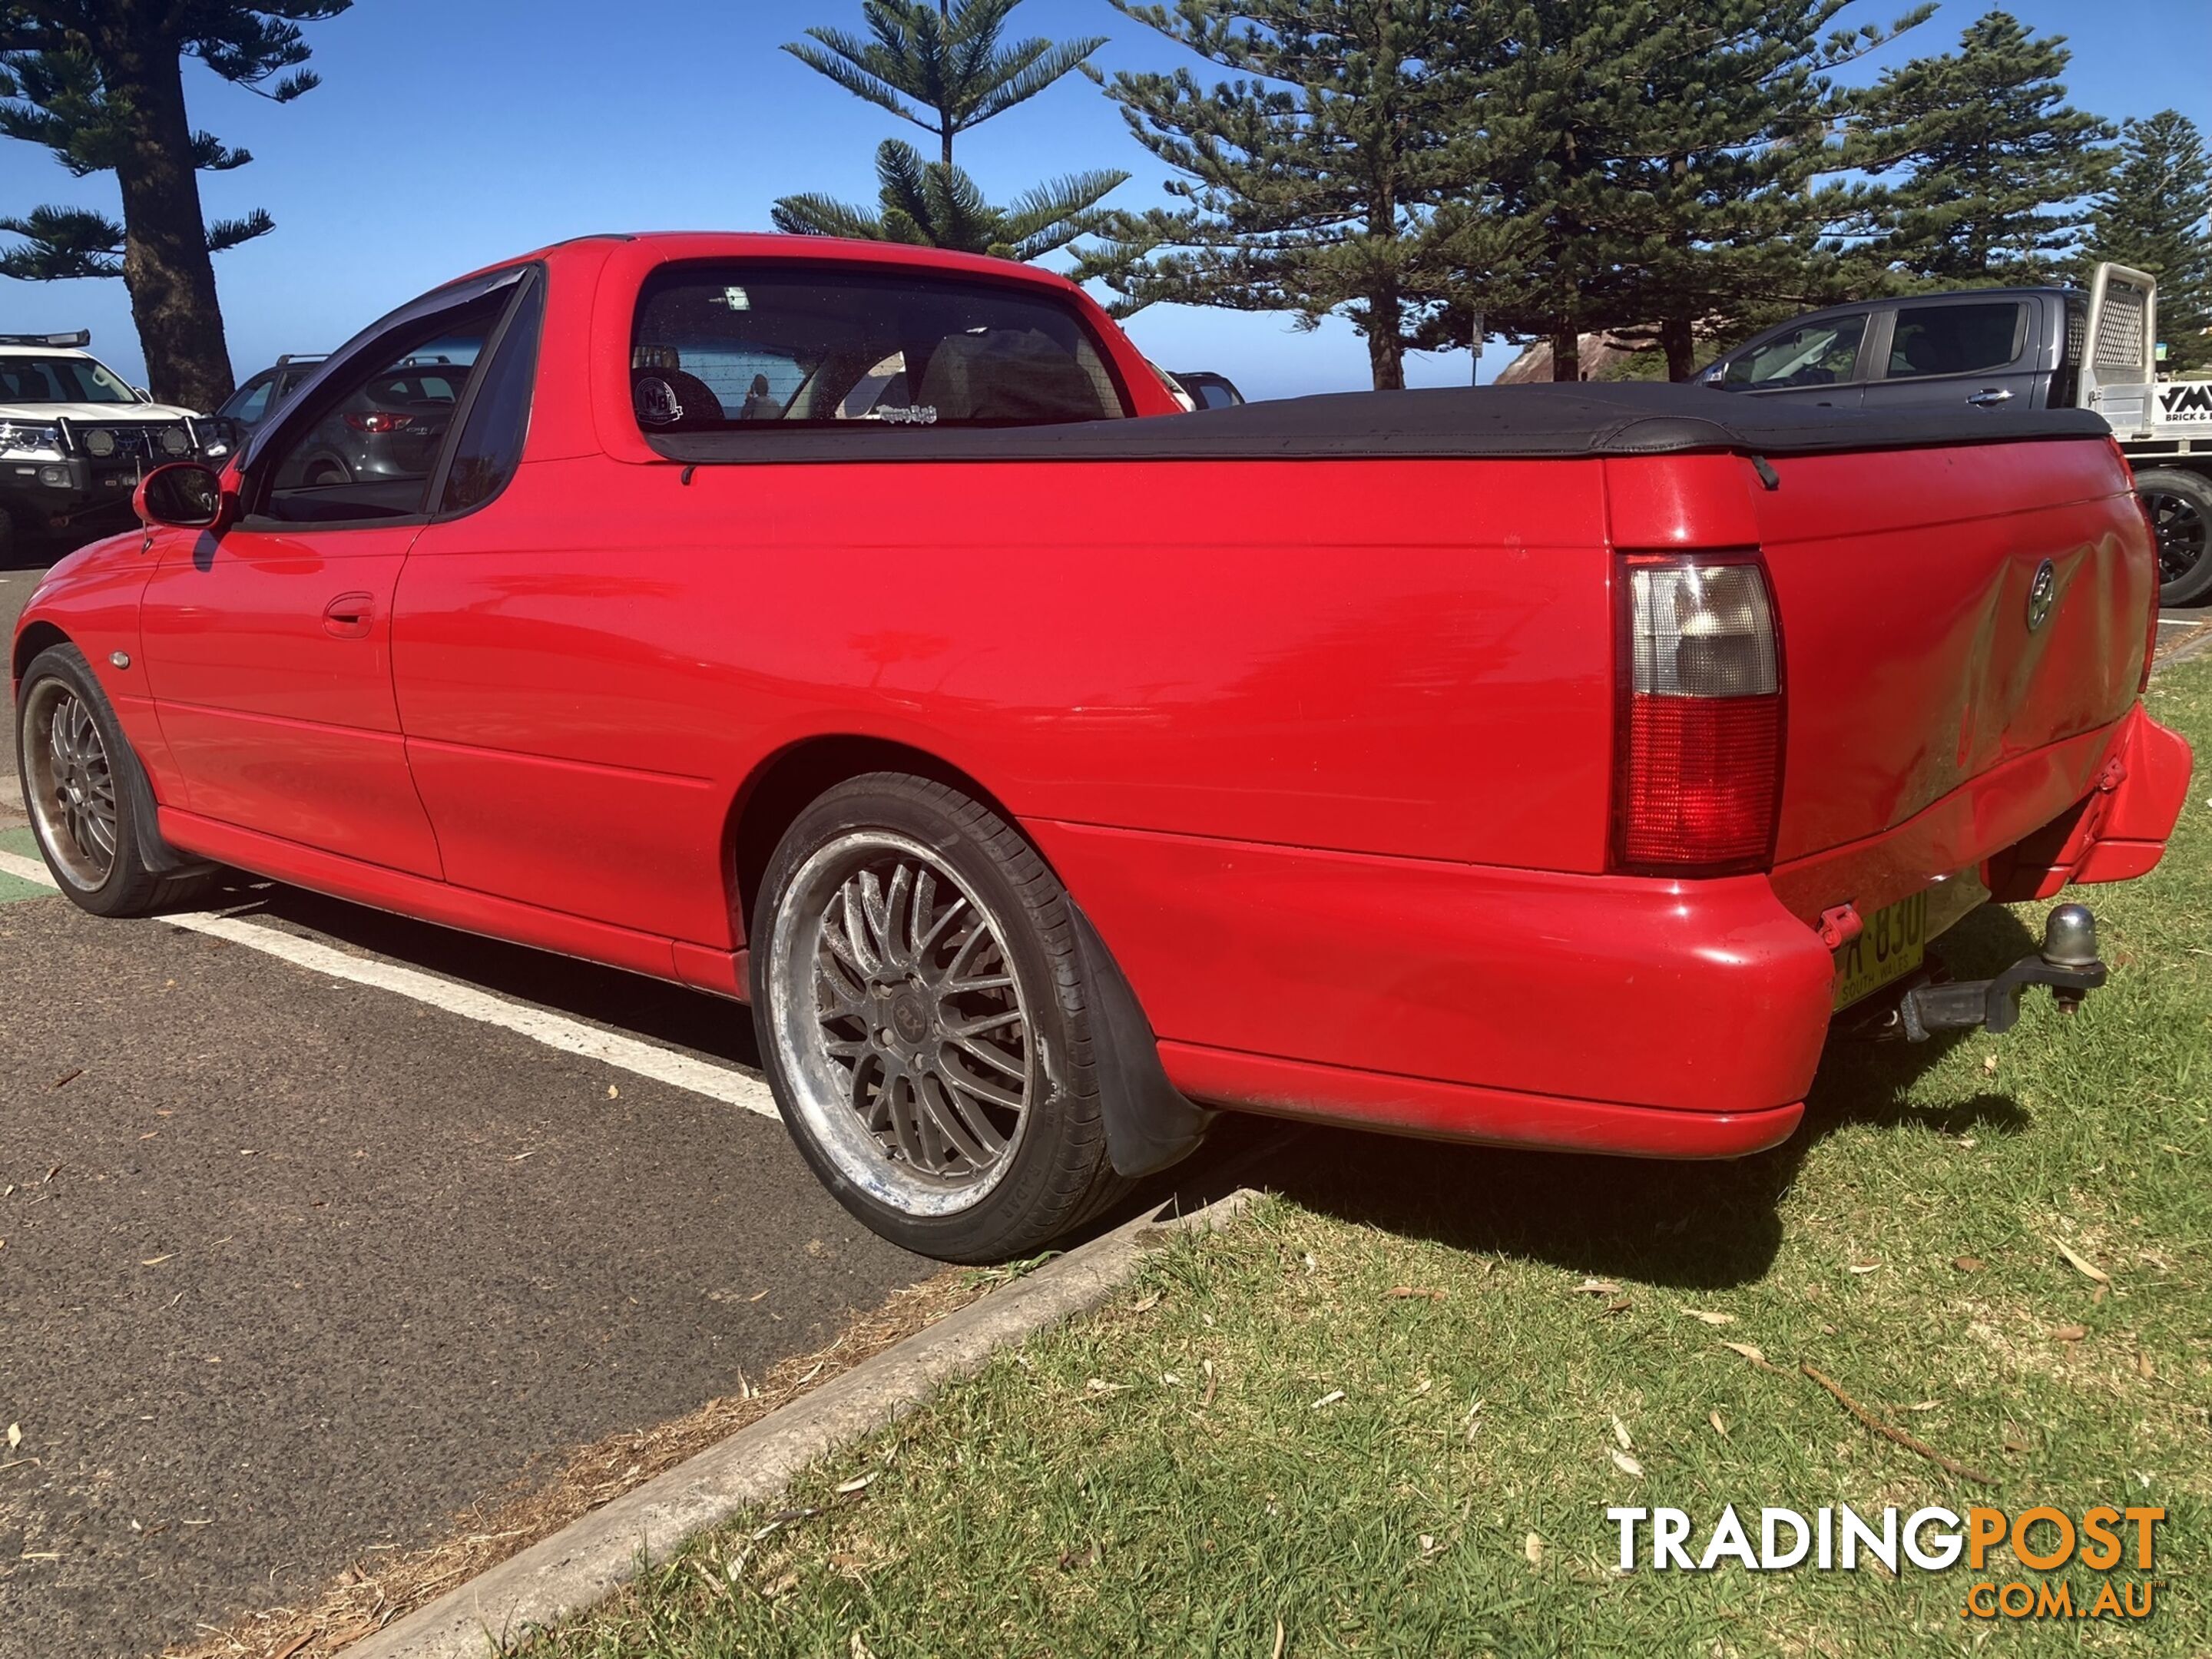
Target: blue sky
(451,133)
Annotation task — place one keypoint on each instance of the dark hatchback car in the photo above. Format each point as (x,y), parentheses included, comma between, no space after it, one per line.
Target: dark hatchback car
(259,395)
(390,429)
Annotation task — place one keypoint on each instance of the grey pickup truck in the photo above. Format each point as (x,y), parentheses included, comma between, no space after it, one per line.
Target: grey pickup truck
(2004,349)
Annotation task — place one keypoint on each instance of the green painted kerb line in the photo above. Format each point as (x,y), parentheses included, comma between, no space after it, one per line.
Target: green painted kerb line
(12,888)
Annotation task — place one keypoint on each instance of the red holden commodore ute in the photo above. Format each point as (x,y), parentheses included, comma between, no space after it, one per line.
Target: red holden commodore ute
(863,633)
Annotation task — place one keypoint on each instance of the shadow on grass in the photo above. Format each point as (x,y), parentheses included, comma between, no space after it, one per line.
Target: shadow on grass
(1691,1226)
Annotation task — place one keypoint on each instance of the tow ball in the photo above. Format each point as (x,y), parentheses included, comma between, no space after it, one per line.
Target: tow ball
(2068,964)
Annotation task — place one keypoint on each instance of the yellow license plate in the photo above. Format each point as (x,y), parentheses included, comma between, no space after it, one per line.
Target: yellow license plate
(1891,944)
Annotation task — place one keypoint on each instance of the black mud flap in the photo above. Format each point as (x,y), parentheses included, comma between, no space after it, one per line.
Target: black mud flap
(156,853)
(1150,1124)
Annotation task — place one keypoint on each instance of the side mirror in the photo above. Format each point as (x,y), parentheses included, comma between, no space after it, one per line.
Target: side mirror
(184,495)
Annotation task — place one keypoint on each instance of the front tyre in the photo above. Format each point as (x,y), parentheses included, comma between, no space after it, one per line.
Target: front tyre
(923,1021)
(75,768)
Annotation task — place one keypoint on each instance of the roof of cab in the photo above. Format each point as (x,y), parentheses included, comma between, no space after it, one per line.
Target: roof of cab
(674,245)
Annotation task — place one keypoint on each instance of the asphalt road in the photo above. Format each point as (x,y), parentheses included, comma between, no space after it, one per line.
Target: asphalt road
(294,1267)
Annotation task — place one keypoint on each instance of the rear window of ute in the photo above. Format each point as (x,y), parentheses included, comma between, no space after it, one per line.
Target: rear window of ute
(754,349)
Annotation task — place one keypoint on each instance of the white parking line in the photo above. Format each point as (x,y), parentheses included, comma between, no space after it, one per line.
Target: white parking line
(571,1036)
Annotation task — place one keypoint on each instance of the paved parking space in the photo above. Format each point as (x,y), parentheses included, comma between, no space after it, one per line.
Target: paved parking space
(293,1266)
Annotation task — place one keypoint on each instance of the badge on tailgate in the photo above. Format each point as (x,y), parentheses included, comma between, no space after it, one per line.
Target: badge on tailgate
(1890,945)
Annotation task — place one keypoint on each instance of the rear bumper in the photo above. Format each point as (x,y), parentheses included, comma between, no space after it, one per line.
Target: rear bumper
(1669,1018)
(2032,824)
(1593,1013)
(2118,831)
(1457,1111)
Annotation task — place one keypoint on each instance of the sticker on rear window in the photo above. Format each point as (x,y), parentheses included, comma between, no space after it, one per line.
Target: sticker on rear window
(657,403)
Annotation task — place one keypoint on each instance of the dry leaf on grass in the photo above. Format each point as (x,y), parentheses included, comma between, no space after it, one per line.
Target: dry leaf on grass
(2090,1269)
(1751,1353)
(1720,1428)
(1709,1316)
(15,1436)
(857,1482)
(1404,1291)
(1620,1433)
(2068,1333)
(1598,1287)
(1628,1465)
(1328,1399)
(1968,1264)
(1532,1548)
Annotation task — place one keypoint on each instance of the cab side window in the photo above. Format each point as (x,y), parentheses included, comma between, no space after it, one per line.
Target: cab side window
(1817,354)
(490,445)
(368,449)
(1954,340)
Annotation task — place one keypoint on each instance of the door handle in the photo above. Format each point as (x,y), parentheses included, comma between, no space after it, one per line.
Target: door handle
(1989,397)
(350,615)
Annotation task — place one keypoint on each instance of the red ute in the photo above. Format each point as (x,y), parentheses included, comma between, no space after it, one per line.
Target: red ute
(813,623)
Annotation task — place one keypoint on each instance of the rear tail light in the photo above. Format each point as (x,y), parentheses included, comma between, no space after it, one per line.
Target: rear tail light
(382,419)
(1698,761)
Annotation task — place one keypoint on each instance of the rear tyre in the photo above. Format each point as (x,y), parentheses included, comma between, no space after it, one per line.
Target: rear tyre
(2180,506)
(923,1021)
(77,774)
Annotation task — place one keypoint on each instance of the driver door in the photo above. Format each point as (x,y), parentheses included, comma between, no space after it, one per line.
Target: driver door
(267,646)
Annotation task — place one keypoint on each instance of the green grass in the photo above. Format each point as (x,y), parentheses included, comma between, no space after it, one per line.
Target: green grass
(1102,1491)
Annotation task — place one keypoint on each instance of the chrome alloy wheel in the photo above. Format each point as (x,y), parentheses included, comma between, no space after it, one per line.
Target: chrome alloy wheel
(898,1016)
(71,785)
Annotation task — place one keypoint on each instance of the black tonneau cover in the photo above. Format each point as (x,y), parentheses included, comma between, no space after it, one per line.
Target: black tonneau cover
(1520,421)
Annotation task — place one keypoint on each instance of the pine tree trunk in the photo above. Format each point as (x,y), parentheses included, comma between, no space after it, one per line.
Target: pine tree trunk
(1386,338)
(1679,342)
(166,263)
(1567,354)
(1386,359)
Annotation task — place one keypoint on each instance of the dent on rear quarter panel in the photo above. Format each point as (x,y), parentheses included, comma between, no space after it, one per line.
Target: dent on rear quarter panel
(1902,610)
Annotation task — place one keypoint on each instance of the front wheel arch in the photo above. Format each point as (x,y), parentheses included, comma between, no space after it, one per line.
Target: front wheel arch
(37,637)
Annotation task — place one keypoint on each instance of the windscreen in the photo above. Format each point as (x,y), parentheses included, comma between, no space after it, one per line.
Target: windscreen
(756,349)
(60,381)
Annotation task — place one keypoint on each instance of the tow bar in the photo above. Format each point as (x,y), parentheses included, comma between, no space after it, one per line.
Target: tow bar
(2068,964)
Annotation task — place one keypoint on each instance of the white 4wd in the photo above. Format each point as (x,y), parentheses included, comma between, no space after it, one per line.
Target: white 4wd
(76,438)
